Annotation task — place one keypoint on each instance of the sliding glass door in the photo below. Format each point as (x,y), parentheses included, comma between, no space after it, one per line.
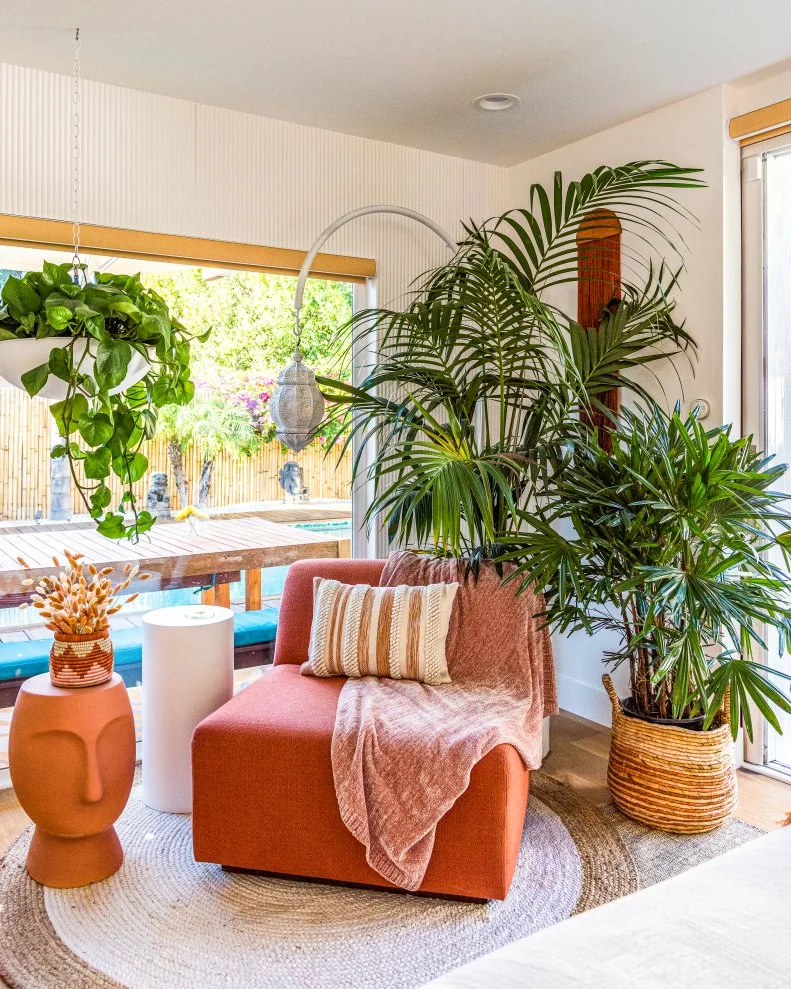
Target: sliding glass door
(766,192)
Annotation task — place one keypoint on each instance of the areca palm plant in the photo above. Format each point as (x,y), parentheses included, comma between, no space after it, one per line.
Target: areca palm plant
(674,540)
(472,401)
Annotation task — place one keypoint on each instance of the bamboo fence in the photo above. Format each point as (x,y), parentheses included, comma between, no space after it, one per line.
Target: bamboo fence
(26,439)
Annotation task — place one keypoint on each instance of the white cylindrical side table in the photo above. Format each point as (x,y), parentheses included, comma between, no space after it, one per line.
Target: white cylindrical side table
(187,674)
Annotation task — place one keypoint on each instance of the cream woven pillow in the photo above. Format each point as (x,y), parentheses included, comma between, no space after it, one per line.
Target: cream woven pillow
(396,632)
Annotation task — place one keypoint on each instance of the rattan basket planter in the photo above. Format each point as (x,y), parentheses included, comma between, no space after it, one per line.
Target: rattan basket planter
(667,777)
(81,660)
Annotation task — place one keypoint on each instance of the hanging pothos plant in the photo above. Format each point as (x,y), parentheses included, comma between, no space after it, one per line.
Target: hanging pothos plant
(103,428)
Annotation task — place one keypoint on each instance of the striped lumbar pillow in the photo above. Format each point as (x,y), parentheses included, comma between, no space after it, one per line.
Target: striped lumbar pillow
(396,632)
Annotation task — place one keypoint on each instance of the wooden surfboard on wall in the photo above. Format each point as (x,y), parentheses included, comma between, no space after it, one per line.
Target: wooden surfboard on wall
(599,287)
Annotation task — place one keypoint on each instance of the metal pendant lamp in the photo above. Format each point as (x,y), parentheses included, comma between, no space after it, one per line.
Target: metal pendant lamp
(297,405)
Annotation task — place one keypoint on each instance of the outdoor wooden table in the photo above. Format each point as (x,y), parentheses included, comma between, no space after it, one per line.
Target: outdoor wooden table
(213,558)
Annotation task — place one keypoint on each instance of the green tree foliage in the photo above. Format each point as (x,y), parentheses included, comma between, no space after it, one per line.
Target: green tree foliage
(251,317)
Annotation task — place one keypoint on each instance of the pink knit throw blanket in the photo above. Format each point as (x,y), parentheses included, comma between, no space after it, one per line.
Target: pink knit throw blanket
(402,751)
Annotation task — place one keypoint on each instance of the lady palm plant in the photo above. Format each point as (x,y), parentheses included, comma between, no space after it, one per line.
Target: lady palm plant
(474,394)
(673,540)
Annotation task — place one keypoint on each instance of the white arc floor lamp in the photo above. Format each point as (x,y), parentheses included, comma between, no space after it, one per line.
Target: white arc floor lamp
(297,406)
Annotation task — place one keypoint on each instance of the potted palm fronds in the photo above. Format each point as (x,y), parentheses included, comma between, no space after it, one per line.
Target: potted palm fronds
(676,541)
(467,408)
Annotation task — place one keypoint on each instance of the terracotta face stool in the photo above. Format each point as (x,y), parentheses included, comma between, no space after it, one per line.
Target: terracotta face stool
(72,760)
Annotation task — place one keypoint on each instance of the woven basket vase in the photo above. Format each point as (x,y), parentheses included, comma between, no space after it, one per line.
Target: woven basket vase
(81,660)
(670,778)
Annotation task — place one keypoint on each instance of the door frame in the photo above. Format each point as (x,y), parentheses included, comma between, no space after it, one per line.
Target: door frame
(757,753)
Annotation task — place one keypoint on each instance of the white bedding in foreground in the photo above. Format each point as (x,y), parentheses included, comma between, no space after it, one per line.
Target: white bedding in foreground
(724,924)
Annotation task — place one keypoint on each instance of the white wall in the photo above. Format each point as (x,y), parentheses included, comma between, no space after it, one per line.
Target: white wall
(173,166)
(763,88)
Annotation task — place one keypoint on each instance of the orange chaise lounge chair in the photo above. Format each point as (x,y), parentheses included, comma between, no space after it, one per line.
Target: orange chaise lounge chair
(263,791)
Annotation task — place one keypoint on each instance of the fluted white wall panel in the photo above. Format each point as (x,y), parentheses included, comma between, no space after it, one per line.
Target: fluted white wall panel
(138,159)
(35,154)
(172,166)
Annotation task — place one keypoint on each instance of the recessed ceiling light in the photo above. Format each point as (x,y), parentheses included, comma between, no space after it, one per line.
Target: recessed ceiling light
(496,101)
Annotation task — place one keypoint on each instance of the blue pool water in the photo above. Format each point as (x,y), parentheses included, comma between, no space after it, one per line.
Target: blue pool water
(272,580)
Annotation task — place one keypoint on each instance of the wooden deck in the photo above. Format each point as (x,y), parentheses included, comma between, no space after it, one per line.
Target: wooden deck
(213,558)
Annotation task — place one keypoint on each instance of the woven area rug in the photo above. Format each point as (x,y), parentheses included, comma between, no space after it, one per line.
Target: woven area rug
(166,922)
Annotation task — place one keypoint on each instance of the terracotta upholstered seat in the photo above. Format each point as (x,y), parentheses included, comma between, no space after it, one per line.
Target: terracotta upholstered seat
(263,792)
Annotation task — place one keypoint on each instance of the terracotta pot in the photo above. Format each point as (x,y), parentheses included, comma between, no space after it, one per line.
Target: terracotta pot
(671,778)
(81,660)
(72,759)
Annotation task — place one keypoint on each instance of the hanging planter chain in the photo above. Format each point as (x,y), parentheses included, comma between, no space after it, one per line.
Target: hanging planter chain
(108,355)
(76,101)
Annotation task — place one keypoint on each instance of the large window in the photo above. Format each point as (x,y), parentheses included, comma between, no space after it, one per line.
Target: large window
(219,453)
(766,188)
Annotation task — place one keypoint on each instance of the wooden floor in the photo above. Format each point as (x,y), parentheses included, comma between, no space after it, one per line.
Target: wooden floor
(578,758)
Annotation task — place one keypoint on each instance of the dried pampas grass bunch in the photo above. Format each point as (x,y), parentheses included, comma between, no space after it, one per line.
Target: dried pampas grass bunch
(80,599)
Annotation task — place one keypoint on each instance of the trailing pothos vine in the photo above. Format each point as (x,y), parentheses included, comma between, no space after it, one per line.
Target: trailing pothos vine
(102,429)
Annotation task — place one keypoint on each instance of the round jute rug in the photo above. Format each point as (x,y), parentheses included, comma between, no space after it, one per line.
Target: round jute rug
(166,922)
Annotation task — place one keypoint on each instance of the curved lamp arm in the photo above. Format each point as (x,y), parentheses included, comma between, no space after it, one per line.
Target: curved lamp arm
(310,257)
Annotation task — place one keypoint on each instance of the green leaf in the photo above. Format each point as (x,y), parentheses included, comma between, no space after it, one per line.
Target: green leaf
(60,363)
(124,428)
(163,393)
(57,275)
(112,526)
(20,298)
(95,326)
(123,304)
(35,379)
(100,499)
(112,362)
(95,428)
(58,317)
(149,423)
(68,413)
(155,327)
(130,468)
(58,451)
(97,463)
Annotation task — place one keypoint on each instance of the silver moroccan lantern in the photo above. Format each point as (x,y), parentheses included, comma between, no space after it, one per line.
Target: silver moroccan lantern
(297,405)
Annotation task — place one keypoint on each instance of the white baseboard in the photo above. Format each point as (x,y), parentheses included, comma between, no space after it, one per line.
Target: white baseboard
(584,699)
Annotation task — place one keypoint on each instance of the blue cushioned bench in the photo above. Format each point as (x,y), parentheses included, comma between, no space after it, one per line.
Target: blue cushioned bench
(253,643)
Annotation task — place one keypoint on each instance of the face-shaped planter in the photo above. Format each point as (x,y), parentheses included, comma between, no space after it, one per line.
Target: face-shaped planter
(72,760)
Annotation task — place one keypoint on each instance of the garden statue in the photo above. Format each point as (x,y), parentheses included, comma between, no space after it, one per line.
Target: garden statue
(158,500)
(292,481)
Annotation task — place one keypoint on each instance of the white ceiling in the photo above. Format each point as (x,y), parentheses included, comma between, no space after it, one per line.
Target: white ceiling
(406,71)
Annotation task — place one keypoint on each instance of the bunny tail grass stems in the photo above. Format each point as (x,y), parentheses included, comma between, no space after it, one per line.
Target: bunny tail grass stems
(80,599)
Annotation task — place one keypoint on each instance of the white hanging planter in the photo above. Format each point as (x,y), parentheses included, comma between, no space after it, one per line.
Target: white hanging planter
(19,356)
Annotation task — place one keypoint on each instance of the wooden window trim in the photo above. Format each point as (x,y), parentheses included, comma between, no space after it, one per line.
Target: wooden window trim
(759,125)
(24,231)
(766,135)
